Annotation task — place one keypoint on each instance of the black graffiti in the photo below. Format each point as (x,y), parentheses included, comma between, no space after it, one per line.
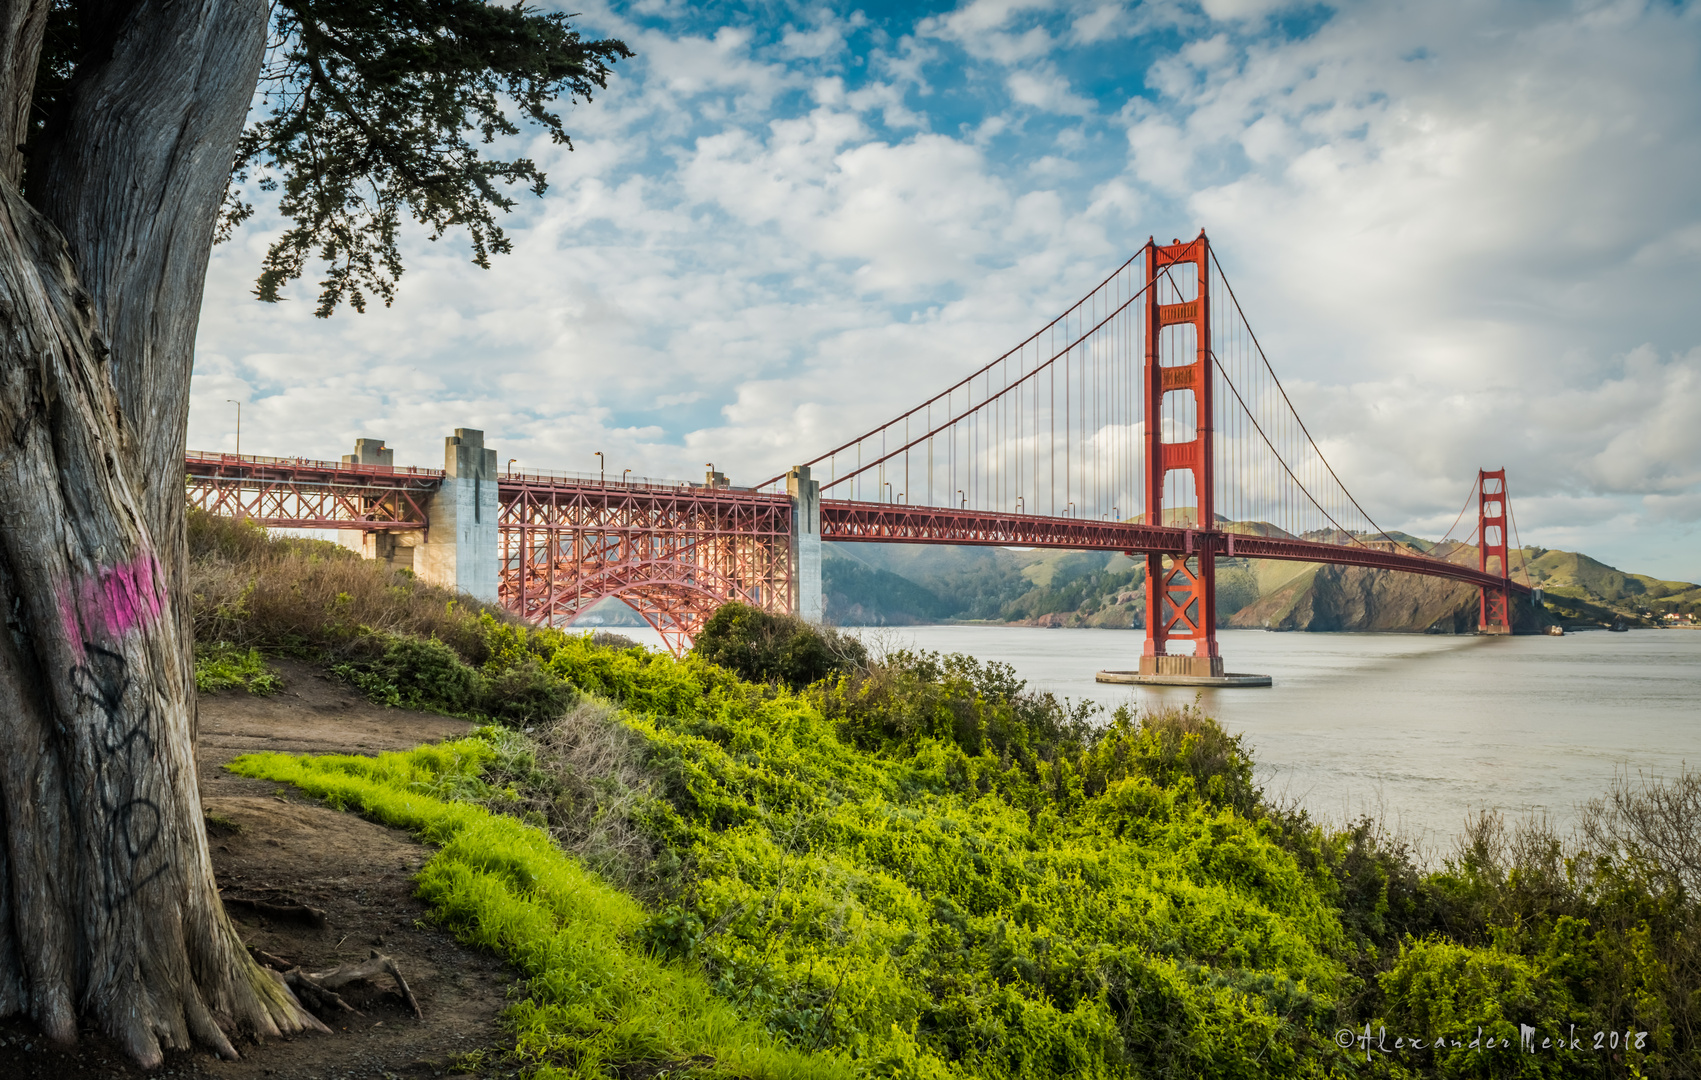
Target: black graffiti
(121,747)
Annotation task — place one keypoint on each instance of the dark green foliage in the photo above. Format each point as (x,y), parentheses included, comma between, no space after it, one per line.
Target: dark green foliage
(673,934)
(417,673)
(764,647)
(425,673)
(370,110)
(982,708)
(1172,746)
(524,692)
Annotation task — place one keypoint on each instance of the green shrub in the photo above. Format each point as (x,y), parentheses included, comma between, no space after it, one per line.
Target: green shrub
(932,911)
(526,692)
(981,708)
(418,673)
(762,646)
(223,666)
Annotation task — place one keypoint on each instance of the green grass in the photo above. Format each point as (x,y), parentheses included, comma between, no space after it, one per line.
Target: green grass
(597,996)
(223,666)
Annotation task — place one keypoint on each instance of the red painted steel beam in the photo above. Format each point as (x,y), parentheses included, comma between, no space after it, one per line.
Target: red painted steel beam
(844,520)
(1257,547)
(327,494)
(303,493)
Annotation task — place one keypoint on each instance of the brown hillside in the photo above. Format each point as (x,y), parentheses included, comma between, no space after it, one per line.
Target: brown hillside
(1337,598)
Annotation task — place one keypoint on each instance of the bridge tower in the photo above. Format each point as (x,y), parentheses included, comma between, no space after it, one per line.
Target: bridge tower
(1496,613)
(1181,590)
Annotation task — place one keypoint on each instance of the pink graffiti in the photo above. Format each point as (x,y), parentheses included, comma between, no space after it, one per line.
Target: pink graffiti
(120,599)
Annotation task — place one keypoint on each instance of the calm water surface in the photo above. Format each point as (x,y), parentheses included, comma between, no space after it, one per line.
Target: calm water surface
(1418,729)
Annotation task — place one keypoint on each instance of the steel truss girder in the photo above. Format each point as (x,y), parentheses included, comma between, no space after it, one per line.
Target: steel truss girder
(848,520)
(673,554)
(844,520)
(677,553)
(298,493)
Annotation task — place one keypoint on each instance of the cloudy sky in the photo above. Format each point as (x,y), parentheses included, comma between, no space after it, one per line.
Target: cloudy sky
(1467,232)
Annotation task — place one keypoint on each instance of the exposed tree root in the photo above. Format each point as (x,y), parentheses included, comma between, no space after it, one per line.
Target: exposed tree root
(317,989)
(299,913)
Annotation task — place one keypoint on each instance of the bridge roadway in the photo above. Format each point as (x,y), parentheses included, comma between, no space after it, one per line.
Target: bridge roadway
(847,521)
(304,493)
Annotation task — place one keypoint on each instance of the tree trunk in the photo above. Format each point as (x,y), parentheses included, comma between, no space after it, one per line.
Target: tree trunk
(108,908)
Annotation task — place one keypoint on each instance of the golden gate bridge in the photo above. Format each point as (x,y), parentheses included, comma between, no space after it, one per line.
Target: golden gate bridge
(1146,419)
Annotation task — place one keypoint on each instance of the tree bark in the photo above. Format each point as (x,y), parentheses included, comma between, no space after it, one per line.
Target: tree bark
(22,24)
(132,172)
(108,909)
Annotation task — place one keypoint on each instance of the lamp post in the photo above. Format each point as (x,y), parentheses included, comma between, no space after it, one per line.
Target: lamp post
(511,466)
(888,488)
(623,474)
(1019,509)
(602,468)
(238,405)
(962,500)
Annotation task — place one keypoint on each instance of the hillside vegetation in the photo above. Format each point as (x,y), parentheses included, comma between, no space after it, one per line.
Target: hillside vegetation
(805,862)
(893,584)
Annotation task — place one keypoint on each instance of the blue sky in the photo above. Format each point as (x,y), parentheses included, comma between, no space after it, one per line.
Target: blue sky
(1468,234)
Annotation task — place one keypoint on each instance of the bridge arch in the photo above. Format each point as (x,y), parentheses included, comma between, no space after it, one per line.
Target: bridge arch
(674,597)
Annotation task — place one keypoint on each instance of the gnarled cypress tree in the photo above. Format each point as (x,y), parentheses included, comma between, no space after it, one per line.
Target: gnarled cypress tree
(123,125)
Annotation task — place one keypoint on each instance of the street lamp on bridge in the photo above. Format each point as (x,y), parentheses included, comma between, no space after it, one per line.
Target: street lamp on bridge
(602,467)
(511,465)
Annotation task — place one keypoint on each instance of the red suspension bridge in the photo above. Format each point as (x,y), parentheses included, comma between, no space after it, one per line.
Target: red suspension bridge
(1146,419)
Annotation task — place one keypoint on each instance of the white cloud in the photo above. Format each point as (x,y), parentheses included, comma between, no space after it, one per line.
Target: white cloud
(1468,234)
(1047,90)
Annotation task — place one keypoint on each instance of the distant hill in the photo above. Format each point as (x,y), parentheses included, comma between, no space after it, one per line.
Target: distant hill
(894,584)
(908,584)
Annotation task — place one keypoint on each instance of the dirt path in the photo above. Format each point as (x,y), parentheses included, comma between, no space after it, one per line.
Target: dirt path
(272,846)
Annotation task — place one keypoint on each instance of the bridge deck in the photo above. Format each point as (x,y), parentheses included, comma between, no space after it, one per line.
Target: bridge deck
(844,520)
(303,493)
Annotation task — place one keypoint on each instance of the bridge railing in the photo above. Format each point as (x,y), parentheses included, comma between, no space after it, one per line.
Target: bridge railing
(199,460)
(555,477)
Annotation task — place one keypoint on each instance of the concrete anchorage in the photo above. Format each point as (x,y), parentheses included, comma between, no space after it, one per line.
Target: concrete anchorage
(806,600)
(459,548)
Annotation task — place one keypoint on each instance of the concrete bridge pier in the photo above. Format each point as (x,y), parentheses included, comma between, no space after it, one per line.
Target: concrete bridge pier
(462,547)
(392,547)
(806,600)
